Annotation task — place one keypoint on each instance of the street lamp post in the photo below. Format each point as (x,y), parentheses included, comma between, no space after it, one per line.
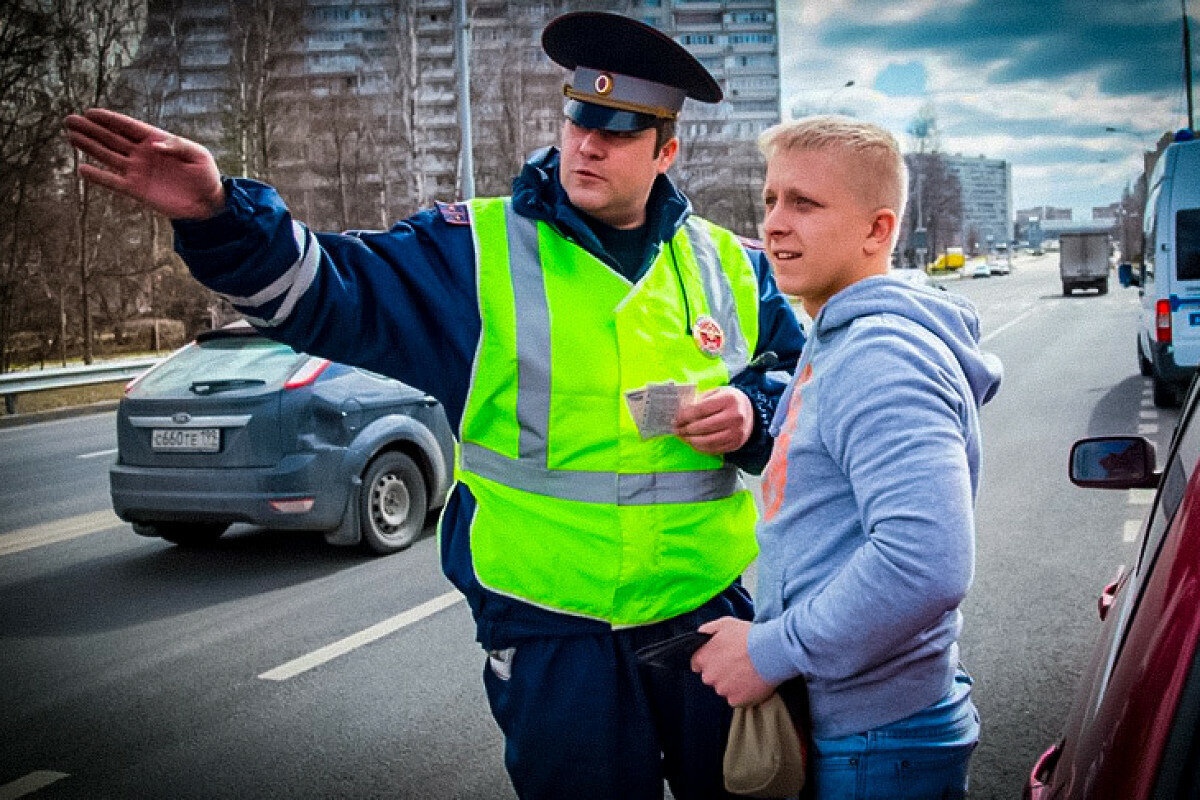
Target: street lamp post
(829,100)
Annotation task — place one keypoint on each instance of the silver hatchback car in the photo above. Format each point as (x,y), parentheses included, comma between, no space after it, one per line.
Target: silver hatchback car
(235,427)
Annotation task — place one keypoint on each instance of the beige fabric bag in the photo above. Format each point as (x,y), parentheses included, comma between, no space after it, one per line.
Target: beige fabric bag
(766,755)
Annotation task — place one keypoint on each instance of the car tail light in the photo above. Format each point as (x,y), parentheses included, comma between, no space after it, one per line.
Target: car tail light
(307,373)
(298,505)
(1162,322)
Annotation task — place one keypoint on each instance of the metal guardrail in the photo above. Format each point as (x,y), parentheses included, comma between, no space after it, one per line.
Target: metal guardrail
(13,384)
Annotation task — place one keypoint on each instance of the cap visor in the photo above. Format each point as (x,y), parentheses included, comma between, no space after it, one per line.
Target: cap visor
(589,115)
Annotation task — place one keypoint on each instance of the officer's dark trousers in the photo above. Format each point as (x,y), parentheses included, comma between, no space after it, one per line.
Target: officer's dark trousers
(582,719)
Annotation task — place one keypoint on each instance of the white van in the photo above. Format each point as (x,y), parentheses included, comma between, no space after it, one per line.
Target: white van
(1169,333)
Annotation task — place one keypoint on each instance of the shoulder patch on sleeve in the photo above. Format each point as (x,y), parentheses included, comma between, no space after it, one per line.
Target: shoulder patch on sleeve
(454,213)
(752,244)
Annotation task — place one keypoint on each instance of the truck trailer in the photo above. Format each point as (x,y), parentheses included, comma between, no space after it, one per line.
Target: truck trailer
(1083,260)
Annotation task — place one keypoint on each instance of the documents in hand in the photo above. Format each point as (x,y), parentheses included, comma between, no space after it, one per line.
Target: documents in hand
(654,406)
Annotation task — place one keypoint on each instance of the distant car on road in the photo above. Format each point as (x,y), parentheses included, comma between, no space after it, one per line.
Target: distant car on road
(999,266)
(980,270)
(953,258)
(1131,732)
(235,427)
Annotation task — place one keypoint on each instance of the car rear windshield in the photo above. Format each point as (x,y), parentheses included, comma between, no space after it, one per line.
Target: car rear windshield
(232,362)
(1187,244)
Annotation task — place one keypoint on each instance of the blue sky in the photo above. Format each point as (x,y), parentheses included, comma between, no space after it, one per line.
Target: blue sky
(1036,82)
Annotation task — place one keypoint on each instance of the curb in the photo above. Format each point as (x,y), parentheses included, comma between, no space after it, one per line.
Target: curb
(14,420)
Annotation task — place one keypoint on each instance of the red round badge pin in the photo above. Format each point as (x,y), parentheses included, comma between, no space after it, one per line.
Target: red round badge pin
(604,83)
(708,335)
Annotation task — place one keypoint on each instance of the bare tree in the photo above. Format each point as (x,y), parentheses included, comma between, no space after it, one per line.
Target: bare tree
(95,40)
(924,130)
(723,179)
(935,200)
(521,111)
(935,194)
(261,32)
(404,148)
(27,125)
(1129,224)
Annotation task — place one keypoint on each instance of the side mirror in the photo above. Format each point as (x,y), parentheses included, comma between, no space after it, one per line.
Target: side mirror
(1113,462)
(1126,276)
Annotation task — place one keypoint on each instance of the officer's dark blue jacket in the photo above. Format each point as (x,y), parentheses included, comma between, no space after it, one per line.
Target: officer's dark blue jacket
(403,303)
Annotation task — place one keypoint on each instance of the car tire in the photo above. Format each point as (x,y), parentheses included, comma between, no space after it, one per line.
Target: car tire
(184,534)
(1066,290)
(1145,366)
(1102,288)
(393,503)
(1165,395)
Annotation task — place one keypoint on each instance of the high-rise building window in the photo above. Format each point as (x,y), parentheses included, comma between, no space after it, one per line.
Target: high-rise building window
(751,38)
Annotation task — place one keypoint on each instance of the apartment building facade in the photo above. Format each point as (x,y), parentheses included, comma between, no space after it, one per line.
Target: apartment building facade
(986,197)
(351,106)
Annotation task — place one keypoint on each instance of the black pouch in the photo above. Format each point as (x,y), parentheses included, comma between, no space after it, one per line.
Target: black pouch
(673,653)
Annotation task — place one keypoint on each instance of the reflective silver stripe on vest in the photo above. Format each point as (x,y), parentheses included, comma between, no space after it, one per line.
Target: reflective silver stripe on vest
(722,305)
(533,334)
(623,489)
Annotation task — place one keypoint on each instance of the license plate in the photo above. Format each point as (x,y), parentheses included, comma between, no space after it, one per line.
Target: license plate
(186,440)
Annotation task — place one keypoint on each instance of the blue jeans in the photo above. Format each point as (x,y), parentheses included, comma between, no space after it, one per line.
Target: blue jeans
(921,757)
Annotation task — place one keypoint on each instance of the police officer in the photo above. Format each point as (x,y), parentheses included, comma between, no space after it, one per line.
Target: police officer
(542,321)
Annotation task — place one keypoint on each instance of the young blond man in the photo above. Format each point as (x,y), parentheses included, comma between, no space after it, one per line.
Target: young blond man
(867,535)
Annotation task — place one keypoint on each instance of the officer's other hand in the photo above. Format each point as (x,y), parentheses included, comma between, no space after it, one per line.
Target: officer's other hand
(172,175)
(718,421)
(724,663)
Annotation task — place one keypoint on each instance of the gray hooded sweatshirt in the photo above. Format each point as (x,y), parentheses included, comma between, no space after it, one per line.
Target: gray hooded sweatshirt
(868,529)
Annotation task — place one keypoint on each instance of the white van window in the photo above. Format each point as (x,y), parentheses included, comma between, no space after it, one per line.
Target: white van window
(1187,244)
(1150,230)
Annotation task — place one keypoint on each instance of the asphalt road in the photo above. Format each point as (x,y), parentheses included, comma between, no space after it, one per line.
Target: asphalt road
(130,668)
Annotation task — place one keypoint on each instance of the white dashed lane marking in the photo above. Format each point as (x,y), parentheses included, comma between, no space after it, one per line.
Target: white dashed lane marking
(58,531)
(30,784)
(339,648)
(1141,497)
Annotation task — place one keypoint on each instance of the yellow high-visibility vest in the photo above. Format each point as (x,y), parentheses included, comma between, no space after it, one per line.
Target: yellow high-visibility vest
(575,512)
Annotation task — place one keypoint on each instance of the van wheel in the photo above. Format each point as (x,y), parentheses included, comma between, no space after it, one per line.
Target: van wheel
(1165,395)
(184,534)
(1144,365)
(1102,288)
(1066,290)
(393,503)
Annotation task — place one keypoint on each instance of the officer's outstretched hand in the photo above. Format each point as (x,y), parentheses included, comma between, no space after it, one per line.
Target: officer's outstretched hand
(718,421)
(172,175)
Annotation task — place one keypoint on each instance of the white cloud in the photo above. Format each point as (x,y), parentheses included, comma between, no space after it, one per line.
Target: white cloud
(1053,131)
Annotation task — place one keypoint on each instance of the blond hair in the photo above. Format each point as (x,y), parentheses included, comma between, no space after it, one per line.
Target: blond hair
(877,171)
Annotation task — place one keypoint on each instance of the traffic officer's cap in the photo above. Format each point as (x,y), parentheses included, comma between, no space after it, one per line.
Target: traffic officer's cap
(627,74)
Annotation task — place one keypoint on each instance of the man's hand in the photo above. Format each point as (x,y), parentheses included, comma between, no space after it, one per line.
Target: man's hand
(172,175)
(719,421)
(724,663)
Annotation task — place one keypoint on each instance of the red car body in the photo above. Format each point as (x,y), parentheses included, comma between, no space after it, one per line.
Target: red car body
(1130,731)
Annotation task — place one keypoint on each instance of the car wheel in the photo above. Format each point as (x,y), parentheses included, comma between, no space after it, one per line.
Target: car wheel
(1144,364)
(1066,290)
(1165,395)
(393,503)
(184,534)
